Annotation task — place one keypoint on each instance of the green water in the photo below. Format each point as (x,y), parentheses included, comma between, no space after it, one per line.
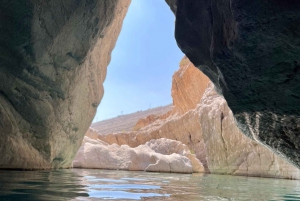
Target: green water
(83,184)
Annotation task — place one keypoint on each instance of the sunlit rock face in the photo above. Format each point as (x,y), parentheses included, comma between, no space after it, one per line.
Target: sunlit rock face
(209,130)
(211,133)
(250,50)
(188,86)
(228,151)
(162,155)
(53,58)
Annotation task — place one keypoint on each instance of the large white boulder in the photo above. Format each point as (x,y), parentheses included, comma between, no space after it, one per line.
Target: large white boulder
(161,155)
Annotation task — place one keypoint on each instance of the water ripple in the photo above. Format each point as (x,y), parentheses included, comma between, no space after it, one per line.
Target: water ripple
(82,184)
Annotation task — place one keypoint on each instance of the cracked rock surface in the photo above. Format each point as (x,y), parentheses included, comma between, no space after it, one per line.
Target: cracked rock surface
(209,130)
(53,59)
(250,50)
(161,155)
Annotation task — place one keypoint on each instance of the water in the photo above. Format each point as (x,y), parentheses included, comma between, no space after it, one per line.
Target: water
(83,184)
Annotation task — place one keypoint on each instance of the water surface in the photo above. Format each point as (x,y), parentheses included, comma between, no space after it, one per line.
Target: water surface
(83,184)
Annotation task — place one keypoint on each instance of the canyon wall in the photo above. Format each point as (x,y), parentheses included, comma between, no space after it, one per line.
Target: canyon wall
(250,50)
(210,131)
(53,57)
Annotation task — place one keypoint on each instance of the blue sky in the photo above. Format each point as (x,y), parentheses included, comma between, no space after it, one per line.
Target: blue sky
(146,55)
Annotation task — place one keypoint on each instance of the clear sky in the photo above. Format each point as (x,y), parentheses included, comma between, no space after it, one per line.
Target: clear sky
(146,55)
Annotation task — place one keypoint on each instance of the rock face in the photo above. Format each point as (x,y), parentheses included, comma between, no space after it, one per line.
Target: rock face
(188,86)
(161,155)
(53,57)
(184,128)
(250,51)
(228,151)
(210,131)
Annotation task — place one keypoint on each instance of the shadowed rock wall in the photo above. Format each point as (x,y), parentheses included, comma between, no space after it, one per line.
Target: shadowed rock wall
(53,59)
(250,50)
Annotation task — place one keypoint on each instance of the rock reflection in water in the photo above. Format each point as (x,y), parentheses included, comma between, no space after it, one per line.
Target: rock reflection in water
(83,184)
(41,185)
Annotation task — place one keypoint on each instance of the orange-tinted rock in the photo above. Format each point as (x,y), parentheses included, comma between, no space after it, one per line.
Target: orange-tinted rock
(150,119)
(188,86)
(210,131)
(92,133)
(145,121)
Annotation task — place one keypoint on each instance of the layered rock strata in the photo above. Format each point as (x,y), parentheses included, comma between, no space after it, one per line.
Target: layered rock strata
(250,50)
(53,57)
(161,155)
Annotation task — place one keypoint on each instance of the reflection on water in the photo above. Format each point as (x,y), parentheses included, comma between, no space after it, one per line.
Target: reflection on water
(83,184)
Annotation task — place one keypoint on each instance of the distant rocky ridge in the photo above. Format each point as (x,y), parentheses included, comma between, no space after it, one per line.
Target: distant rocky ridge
(210,131)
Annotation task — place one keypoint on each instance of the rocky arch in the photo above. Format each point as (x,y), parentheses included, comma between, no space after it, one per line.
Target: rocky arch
(53,58)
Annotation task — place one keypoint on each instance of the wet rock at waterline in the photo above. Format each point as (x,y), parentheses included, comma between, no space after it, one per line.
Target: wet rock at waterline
(161,155)
(250,50)
(228,151)
(53,58)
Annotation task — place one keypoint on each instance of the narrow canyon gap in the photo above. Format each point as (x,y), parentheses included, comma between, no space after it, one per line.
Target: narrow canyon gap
(53,59)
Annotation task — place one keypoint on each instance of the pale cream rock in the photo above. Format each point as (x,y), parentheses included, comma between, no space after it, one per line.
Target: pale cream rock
(161,155)
(209,130)
(229,151)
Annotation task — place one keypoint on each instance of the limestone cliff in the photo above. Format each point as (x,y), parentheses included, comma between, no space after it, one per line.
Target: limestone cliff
(250,50)
(210,131)
(53,57)
(188,86)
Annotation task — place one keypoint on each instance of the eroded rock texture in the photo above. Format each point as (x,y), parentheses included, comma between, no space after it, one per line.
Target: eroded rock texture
(162,155)
(250,50)
(210,131)
(53,59)
(188,86)
(228,151)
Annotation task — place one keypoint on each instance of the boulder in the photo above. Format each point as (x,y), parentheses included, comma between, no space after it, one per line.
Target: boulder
(53,57)
(162,155)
